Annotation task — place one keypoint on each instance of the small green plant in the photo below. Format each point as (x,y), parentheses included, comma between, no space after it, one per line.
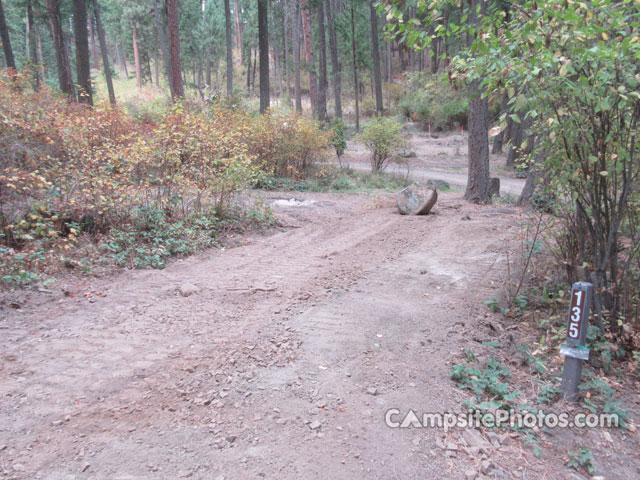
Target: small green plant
(382,137)
(493,304)
(599,397)
(581,459)
(487,384)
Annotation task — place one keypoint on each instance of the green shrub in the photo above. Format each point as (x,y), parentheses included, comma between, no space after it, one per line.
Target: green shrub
(382,136)
(337,138)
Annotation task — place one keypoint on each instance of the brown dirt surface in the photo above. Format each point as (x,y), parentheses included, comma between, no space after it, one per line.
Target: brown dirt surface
(278,359)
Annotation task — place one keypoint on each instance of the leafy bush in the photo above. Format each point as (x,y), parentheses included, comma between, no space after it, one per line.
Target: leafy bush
(433,101)
(368,106)
(337,138)
(382,136)
(286,144)
(68,171)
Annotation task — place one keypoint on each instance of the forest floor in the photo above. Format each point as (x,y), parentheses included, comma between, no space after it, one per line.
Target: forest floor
(276,357)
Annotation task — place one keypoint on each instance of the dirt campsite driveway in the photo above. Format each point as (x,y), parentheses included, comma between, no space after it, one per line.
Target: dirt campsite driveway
(274,359)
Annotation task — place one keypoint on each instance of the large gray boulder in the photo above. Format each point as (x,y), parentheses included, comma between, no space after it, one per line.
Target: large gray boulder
(417,199)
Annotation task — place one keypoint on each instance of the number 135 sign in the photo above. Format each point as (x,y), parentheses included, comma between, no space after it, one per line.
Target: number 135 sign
(578,313)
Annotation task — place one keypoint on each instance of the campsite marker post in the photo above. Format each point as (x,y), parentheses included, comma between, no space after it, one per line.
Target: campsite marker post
(575,350)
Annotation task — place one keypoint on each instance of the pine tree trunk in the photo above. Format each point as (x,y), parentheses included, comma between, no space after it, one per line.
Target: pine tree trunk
(275,51)
(296,56)
(308,53)
(335,62)
(229,40)
(515,143)
(236,13)
(263,43)
(6,41)
(478,175)
(94,48)
(83,61)
(322,65)
(375,47)
(33,47)
(174,49)
(65,79)
(162,38)
(136,58)
(285,28)
(43,72)
(356,87)
(249,72)
(253,75)
(105,53)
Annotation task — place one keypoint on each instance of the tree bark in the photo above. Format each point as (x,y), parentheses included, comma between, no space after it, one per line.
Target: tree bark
(478,175)
(43,75)
(308,53)
(83,61)
(285,28)
(33,47)
(162,38)
(335,62)
(236,12)
(229,40)
(515,142)
(174,49)
(296,57)
(65,79)
(263,45)
(375,47)
(6,41)
(94,48)
(276,57)
(322,65)
(356,89)
(105,53)
(136,58)
(249,72)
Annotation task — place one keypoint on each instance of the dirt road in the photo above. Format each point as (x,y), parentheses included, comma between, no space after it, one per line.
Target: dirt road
(441,158)
(281,365)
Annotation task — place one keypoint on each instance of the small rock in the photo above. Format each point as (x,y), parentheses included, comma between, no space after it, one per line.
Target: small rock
(187,289)
(416,199)
(315,425)
(470,475)
(494,439)
(452,446)
(18,467)
(466,217)
(486,466)
(185,473)
(372,391)
(57,423)
(86,467)
(475,440)
(231,438)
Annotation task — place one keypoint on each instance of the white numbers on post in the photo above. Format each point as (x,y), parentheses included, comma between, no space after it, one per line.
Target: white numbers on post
(575,316)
